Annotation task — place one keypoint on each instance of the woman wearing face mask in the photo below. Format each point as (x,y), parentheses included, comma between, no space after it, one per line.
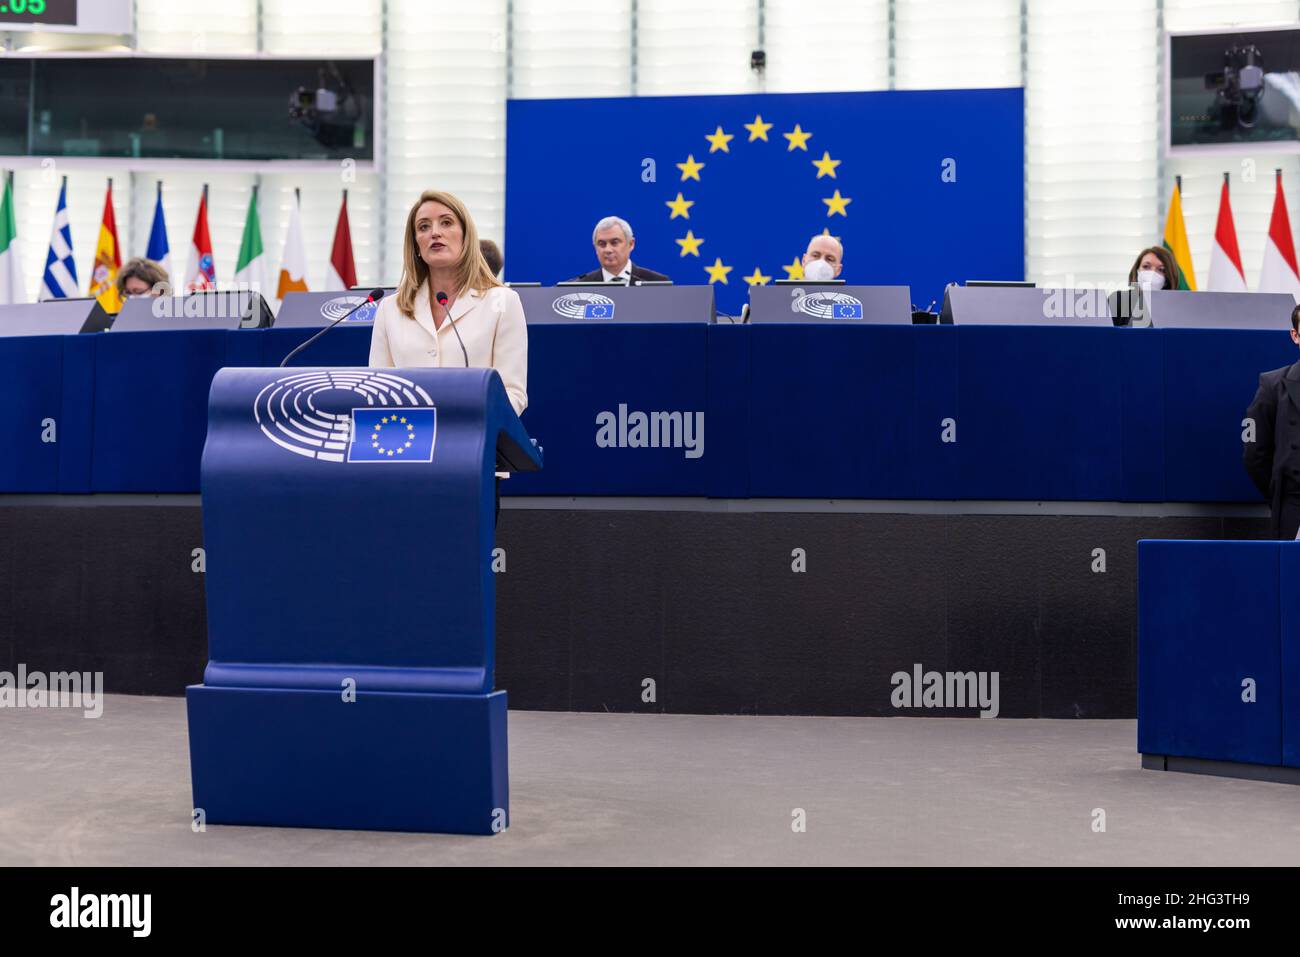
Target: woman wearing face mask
(450,311)
(1153,270)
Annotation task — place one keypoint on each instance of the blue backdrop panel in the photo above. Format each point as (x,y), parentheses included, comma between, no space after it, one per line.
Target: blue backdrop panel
(77,420)
(1289,626)
(907,223)
(833,412)
(576,372)
(151,396)
(1041,412)
(31,390)
(1210,377)
(1207,620)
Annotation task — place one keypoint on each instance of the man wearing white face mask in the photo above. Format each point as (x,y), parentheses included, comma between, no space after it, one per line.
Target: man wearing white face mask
(823,260)
(1154,269)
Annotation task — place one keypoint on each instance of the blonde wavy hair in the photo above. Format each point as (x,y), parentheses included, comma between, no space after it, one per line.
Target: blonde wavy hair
(472,270)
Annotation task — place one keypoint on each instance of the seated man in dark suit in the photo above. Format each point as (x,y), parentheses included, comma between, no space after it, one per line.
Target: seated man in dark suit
(614,242)
(1273,459)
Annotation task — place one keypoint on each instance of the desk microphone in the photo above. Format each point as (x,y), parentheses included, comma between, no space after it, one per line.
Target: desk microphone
(375,295)
(442,301)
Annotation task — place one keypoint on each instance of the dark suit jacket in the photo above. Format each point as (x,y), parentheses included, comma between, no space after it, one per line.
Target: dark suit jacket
(645,275)
(1273,460)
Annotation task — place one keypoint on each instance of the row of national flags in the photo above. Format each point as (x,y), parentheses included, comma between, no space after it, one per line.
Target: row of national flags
(59,280)
(1278,272)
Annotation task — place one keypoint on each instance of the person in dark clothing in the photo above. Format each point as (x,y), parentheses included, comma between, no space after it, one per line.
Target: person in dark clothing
(492,256)
(614,242)
(1271,442)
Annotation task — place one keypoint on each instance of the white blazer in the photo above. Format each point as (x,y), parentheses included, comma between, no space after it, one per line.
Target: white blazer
(491,324)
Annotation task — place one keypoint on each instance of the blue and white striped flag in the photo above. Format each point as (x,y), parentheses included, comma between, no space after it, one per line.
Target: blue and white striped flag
(60,280)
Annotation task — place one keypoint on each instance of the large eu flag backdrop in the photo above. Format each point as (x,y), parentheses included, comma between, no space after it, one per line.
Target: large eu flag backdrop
(922,187)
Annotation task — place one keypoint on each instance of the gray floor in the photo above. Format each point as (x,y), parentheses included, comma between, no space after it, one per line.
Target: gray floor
(653,790)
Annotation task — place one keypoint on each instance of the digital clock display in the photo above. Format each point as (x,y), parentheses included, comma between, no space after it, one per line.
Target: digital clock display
(54,12)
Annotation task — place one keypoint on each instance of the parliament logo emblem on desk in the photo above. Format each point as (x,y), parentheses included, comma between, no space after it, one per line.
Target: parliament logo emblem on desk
(337,308)
(393,435)
(828,305)
(584,305)
(315,415)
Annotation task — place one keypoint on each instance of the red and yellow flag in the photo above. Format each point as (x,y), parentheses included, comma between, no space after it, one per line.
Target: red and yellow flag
(108,260)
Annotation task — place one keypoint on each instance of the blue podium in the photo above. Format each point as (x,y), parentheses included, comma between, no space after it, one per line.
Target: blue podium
(1219,658)
(348,521)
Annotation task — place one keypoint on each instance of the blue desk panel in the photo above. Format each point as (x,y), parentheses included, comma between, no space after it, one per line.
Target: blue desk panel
(31,391)
(1210,377)
(816,411)
(577,373)
(1041,412)
(343,345)
(851,411)
(151,401)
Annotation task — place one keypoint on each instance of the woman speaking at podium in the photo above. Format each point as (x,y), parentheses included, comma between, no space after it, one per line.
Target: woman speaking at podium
(450,311)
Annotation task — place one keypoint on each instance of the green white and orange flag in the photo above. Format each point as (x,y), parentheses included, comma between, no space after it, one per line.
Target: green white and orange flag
(1176,239)
(108,260)
(250,270)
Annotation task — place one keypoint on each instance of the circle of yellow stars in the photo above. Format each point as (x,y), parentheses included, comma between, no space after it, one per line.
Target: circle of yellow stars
(404,439)
(719,142)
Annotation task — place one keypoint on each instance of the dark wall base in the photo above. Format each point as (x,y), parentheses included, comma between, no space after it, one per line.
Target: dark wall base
(704,604)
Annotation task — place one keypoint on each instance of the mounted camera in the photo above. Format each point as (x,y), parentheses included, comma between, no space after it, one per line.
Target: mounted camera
(1238,86)
(330,111)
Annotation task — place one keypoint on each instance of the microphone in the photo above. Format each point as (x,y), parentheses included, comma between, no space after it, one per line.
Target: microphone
(375,295)
(442,301)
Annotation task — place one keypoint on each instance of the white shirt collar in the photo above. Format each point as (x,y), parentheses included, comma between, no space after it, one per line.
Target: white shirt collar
(625,275)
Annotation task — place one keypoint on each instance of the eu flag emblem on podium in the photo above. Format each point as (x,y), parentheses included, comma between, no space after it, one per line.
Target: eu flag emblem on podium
(848,310)
(392,435)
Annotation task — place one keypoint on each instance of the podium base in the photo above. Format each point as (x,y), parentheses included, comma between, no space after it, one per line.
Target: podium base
(386,761)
